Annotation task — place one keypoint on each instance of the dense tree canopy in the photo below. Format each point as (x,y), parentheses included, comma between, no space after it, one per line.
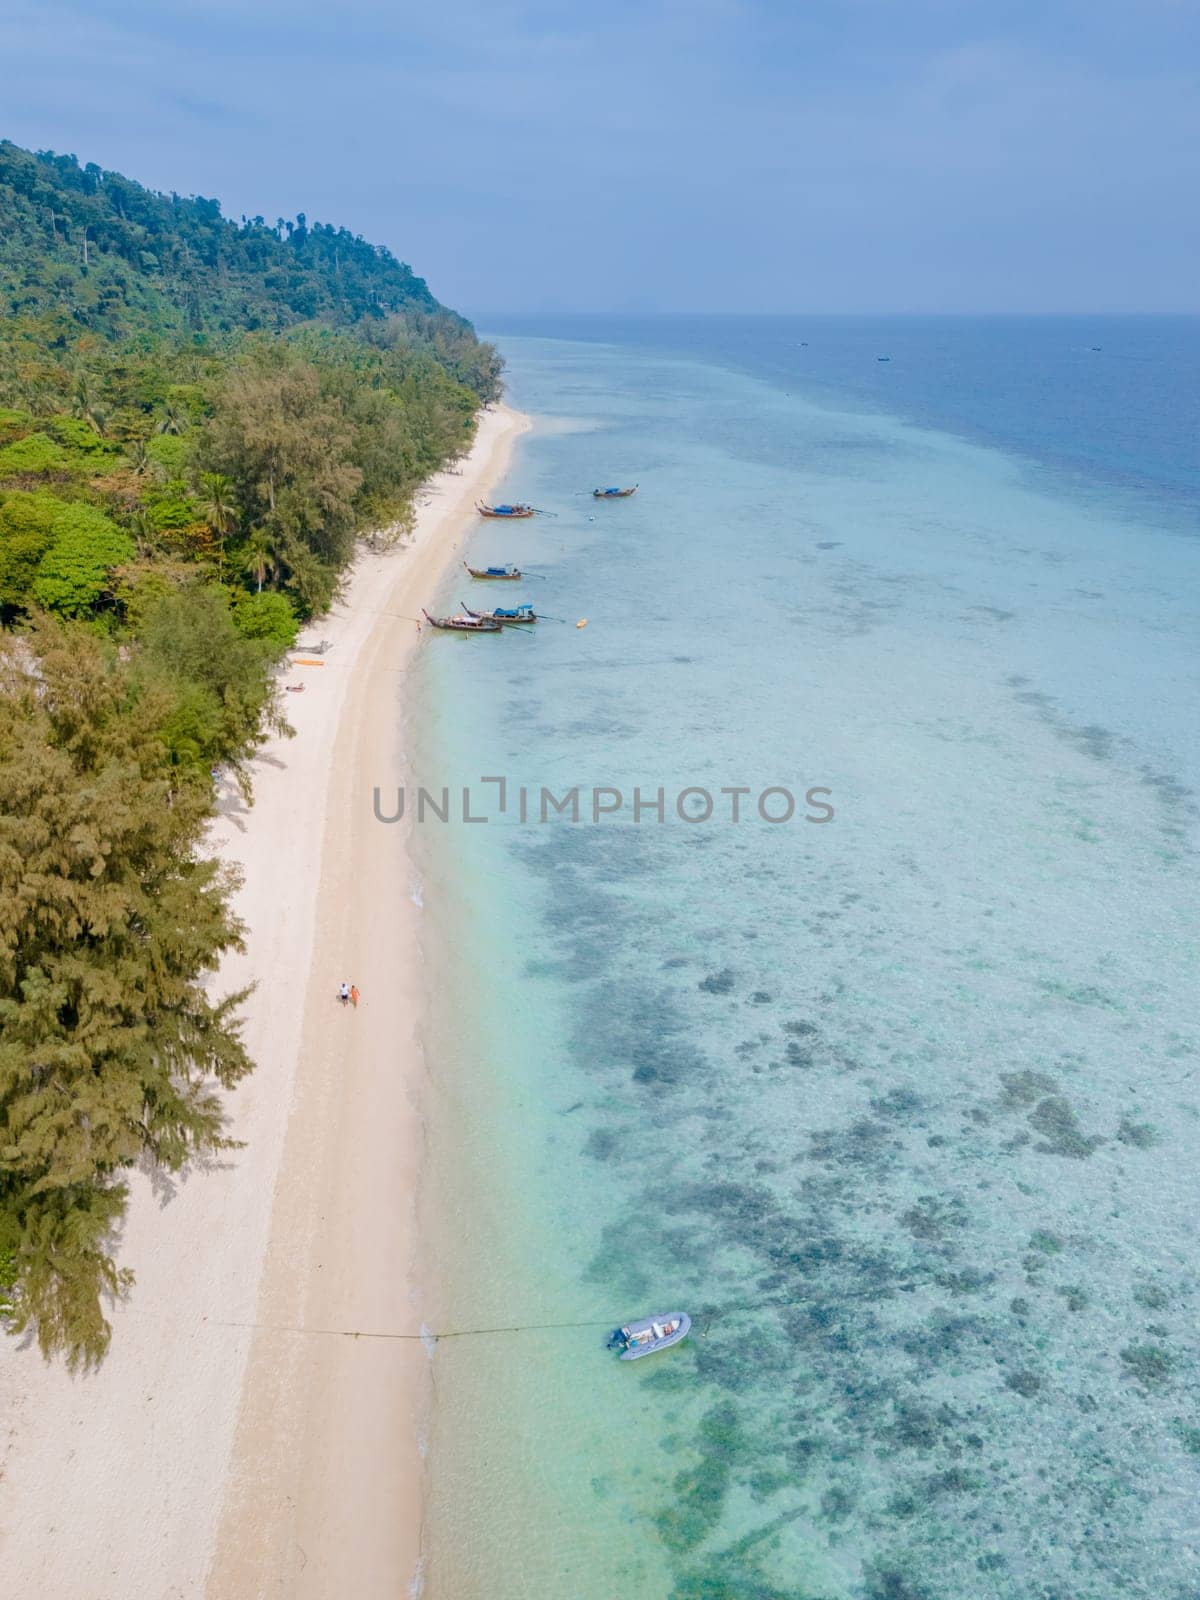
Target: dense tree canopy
(75,572)
(93,250)
(244,397)
(109,918)
(197,420)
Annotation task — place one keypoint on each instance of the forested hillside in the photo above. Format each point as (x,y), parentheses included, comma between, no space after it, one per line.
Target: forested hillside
(197,420)
(86,249)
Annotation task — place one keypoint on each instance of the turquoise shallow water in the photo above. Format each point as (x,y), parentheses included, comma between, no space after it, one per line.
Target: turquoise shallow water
(903,1107)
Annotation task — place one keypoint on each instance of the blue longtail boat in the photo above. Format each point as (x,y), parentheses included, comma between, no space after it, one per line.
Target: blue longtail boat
(510,574)
(507,616)
(520,510)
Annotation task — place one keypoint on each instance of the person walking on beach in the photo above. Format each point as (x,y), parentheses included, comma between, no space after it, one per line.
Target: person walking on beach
(354,995)
(344,993)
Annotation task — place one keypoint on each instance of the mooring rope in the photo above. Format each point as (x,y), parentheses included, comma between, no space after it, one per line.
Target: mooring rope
(426,1338)
(704,1316)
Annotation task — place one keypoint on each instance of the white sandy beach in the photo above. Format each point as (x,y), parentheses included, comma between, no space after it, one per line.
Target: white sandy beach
(238,1440)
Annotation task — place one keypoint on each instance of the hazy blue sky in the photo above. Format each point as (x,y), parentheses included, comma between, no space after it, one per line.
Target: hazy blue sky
(692,155)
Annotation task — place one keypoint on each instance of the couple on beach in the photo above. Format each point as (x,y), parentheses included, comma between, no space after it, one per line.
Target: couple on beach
(349,992)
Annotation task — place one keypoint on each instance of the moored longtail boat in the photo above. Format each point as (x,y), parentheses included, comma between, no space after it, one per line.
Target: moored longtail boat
(463,624)
(520,510)
(614,494)
(506,616)
(512,574)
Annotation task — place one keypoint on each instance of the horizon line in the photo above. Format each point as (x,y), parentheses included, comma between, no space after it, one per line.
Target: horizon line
(630,315)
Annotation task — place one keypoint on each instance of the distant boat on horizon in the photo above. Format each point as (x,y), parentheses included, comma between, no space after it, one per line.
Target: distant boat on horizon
(614,494)
(883,358)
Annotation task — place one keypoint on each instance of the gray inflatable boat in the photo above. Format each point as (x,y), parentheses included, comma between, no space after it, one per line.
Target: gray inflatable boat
(642,1338)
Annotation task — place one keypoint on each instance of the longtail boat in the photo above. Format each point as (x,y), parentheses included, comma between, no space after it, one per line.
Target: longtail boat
(512,574)
(614,494)
(507,512)
(464,624)
(506,616)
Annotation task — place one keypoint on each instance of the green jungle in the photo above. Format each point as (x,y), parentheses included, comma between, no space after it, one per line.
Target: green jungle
(199,419)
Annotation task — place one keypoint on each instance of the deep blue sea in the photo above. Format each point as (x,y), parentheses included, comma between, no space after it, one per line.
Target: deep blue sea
(903,1106)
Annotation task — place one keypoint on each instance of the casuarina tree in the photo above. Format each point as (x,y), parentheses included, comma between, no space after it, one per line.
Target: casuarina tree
(112,1053)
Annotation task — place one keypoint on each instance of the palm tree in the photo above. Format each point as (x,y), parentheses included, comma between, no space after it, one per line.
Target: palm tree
(174,419)
(146,535)
(35,396)
(85,403)
(260,560)
(220,509)
(217,502)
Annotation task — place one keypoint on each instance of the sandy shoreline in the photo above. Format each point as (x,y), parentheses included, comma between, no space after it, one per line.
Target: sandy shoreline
(226,1448)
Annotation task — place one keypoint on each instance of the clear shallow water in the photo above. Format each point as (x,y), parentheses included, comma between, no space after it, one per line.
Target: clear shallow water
(903,1106)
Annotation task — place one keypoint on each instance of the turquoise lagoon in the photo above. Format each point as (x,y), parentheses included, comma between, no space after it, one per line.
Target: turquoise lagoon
(904,1107)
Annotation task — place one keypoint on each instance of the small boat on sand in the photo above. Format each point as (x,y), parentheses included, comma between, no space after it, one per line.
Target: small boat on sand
(506,616)
(513,574)
(520,510)
(467,623)
(643,1338)
(614,494)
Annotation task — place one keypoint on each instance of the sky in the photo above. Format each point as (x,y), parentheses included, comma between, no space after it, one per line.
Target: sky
(665,155)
